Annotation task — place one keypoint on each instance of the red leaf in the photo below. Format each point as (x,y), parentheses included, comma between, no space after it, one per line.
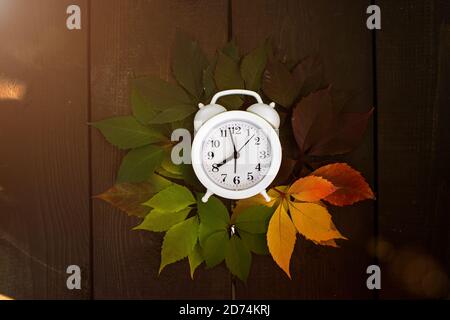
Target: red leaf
(310,74)
(344,135)
(311,116)
(350,184)
(321,129)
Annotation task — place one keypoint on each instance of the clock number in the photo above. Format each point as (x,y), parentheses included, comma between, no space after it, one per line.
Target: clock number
(250,176)
(258,167)
(215,168)
(210,155)
(215,143)
(263,154)
(235,130)
(236,180)
(224,176)
(257,141)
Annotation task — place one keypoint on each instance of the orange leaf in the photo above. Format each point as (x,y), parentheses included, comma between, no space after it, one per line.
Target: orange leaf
(350,184)
(281,237)
(311,189)
(314,222)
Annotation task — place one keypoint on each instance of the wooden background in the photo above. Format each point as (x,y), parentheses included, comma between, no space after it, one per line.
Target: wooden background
(53,82)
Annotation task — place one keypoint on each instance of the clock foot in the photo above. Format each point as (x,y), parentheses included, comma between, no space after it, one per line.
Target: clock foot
(207,195)
(265,195)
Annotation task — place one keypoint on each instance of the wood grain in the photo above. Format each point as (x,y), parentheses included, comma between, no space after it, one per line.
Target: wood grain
(128,39)
(337,32)
(413,51)
(44,181)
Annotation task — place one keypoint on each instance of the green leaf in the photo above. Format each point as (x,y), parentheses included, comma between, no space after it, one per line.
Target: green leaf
(127,133)
(188,64)
(252,67)
(231,50)
(279,85)
(159,94)
(173,198)
(171,167)
(213,217)
(139,164)
(176,113)
(142,110)
(190,177)
(159,221)
(163,172)
(227,75)
(179,241)
(238,258)
(256,243)
(155,101)
(208,82)
(195,259)
(254,219)
(214,248)
(128,197)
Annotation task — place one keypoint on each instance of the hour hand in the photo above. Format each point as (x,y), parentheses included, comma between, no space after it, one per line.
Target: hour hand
(225,161)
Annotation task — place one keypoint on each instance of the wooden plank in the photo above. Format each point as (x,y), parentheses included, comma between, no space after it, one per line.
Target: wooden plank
(44,181)
(135,38)
(337,32)
(414,148)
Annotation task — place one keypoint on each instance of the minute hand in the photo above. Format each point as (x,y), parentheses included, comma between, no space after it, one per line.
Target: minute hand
(246,143)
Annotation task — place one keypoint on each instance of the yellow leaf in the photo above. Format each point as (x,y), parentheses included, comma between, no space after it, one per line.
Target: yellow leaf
(281,236)
(311,189)
(258,200)
(314,222)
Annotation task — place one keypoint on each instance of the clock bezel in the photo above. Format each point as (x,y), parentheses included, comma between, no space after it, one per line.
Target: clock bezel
(213,123)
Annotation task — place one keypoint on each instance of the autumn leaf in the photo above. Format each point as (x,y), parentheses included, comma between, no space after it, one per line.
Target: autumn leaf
(129,197)
(311,189)
(313,221)
(281,237)
(310,75)
(297,209)
(320,128)
(350,185)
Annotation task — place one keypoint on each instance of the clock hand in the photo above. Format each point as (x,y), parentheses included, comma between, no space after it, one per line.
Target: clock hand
(235,153)
(225,160)
(246,142)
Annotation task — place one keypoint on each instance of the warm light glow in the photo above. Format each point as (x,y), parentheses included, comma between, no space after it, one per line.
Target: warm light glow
(2,297)
(11,89)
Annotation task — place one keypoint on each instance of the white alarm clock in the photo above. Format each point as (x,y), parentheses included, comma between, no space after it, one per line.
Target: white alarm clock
(236,154)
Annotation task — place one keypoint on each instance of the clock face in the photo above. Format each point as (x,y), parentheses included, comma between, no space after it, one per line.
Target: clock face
(236,155)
